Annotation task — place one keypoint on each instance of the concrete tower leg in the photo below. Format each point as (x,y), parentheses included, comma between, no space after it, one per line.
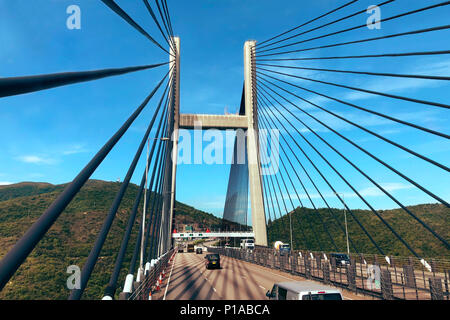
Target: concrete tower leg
(254,170)
(176,105)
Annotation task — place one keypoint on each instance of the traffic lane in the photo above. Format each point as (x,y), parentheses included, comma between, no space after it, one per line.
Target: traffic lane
(258,280)
(236,280)
(187,281)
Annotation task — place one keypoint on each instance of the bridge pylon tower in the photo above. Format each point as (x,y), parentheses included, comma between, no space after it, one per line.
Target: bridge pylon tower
(246,122)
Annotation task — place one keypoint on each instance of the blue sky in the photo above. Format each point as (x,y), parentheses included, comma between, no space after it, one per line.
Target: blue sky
(50,135)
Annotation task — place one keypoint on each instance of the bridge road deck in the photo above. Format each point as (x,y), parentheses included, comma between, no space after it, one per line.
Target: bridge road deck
(237,280)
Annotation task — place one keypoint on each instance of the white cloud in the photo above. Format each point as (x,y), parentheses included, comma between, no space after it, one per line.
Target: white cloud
(75,149)
(35,159)
(5,183)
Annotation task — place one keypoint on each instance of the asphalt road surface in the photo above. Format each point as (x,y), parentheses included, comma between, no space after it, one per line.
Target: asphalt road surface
(188,279)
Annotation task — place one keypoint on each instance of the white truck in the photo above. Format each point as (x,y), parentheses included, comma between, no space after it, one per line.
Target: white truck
(248,244)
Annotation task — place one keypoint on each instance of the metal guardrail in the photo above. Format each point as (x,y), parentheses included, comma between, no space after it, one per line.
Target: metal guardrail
(402,279)
(145,288)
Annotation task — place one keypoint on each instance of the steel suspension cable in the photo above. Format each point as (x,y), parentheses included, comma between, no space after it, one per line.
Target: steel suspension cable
(326,181)
(382,115)
(26,84)
(101,238)
(350,185)
(112,285)
(383,55)
(324,178)
(376,158)
(390,36)
(137,247)
(431,103)
(165,23)
(155,207)
(119,11)
(379,74)
(266,147)
(299,199)
(152,13)
(320,27)
(373,181)
(438,5)
(441,166)
(308,22)
(301,182)
(15,257)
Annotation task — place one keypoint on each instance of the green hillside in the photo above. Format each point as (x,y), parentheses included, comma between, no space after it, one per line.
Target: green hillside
(422,241)
(69,241)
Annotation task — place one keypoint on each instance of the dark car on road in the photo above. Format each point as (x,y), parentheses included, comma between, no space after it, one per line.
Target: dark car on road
(212,261)
(342,259)
(199,251)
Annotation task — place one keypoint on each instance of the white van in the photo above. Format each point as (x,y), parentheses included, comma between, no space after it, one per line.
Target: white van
(248,244)
(303,290)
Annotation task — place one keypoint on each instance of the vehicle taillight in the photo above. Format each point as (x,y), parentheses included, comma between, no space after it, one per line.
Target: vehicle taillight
(320,292)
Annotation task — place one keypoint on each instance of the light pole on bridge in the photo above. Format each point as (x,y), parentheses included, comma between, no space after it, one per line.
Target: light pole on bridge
(345,219)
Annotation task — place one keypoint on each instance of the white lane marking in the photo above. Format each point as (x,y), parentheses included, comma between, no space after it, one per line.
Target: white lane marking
(168,281)
(214,289)
(262,288)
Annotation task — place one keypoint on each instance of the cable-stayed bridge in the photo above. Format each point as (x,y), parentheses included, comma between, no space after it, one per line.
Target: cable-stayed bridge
(277,97)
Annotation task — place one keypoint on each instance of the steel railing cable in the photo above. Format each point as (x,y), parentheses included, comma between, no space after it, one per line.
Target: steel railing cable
(343,178)
(301,182)
(119,11)
(438,5)
(15,257)
(389,36)
(319,27)
(106,227)
(308,22)
(435,163)
(431,194)
(111,288)
(152,13)
(431,103)
(383,55)
(379,114)
(26,84)
(365,175)
(326,181)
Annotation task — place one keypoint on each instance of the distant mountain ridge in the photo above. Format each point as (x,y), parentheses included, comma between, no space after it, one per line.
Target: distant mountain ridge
(69,241)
